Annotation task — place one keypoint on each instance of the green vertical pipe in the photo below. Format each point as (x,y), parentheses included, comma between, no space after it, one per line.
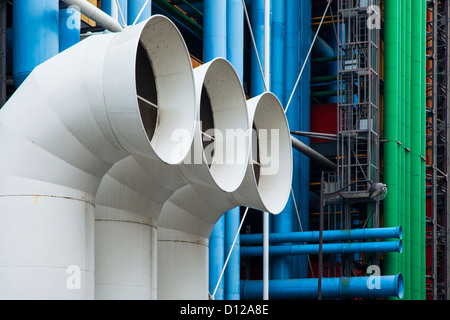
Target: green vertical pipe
(402,125)
(423,22)
(407,227)
(391,130)
(416,148)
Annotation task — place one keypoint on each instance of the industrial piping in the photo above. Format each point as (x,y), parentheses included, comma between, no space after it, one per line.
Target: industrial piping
(332,288)
(182,227)
(328,235)
(328,248)
(73,134)
(133,192)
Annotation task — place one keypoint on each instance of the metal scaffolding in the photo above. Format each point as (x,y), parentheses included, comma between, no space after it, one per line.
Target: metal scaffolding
(438,121)
(358,142)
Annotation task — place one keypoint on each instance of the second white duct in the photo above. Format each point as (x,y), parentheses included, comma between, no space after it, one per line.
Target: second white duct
(134,191)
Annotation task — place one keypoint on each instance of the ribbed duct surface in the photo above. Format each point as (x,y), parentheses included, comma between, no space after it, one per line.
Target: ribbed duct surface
(74,117)
(187,219)
(133,192)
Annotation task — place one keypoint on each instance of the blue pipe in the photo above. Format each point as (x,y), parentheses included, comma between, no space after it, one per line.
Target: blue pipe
(328,235)
(257,21)
(106,5)
(301,263)
(214,46)
(277,46)
(214,29)
(69,28)
(134,7)
(235,55)
(332,288)
(35,35)
(328,248)
(281,267)
(322,49)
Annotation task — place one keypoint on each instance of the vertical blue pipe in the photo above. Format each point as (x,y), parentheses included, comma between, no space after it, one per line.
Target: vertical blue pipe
(277,47)
(69,27)
(35,35)
(281,267)
(257,20)
(235,54)
(301,263)
(214,46)
(106,6)
(134,7)
(214,29)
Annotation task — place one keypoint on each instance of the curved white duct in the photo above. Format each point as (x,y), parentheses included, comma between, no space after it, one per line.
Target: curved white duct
(188,217)
(133,192)
(74,117)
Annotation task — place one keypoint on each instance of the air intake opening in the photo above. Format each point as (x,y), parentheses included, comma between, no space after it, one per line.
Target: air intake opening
(256,158)
(207,126)
(272,164)
(146,92)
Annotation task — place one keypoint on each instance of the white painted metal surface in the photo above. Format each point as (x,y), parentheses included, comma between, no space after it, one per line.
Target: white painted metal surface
(187,218)
(63,129)
(133,192)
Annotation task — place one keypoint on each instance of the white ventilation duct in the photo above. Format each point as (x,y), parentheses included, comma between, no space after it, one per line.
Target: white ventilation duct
(134,191)
(74,117)
(188,217)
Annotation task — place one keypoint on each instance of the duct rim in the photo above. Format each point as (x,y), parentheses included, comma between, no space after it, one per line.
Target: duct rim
(174,85)
(274,183)
(150,92)
(230,124)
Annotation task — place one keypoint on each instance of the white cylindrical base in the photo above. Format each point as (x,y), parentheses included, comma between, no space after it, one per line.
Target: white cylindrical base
(125,255)
(46,248)
(182,266)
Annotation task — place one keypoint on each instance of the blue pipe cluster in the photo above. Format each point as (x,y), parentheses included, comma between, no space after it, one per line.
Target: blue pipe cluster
(328,235)
(332,288)
(223,36)
(327,248)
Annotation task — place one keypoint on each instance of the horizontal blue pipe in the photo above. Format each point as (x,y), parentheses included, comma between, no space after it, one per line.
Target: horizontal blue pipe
(327,248)
(332,288)
(331,235)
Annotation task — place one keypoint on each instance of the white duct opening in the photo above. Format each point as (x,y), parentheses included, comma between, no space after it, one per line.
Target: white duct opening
(134,191)
(188,217)
(74,117)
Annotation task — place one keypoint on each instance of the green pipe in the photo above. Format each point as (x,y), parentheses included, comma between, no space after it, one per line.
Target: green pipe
(402,126)
(324,59)
(177,14)
(407,253)
(324,79)
(423,168)
(416,147)
(324,93)
(190,5)
(391,130)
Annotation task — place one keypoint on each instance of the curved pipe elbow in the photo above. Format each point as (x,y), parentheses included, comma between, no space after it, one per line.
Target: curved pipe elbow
(266,185)
(74,117)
